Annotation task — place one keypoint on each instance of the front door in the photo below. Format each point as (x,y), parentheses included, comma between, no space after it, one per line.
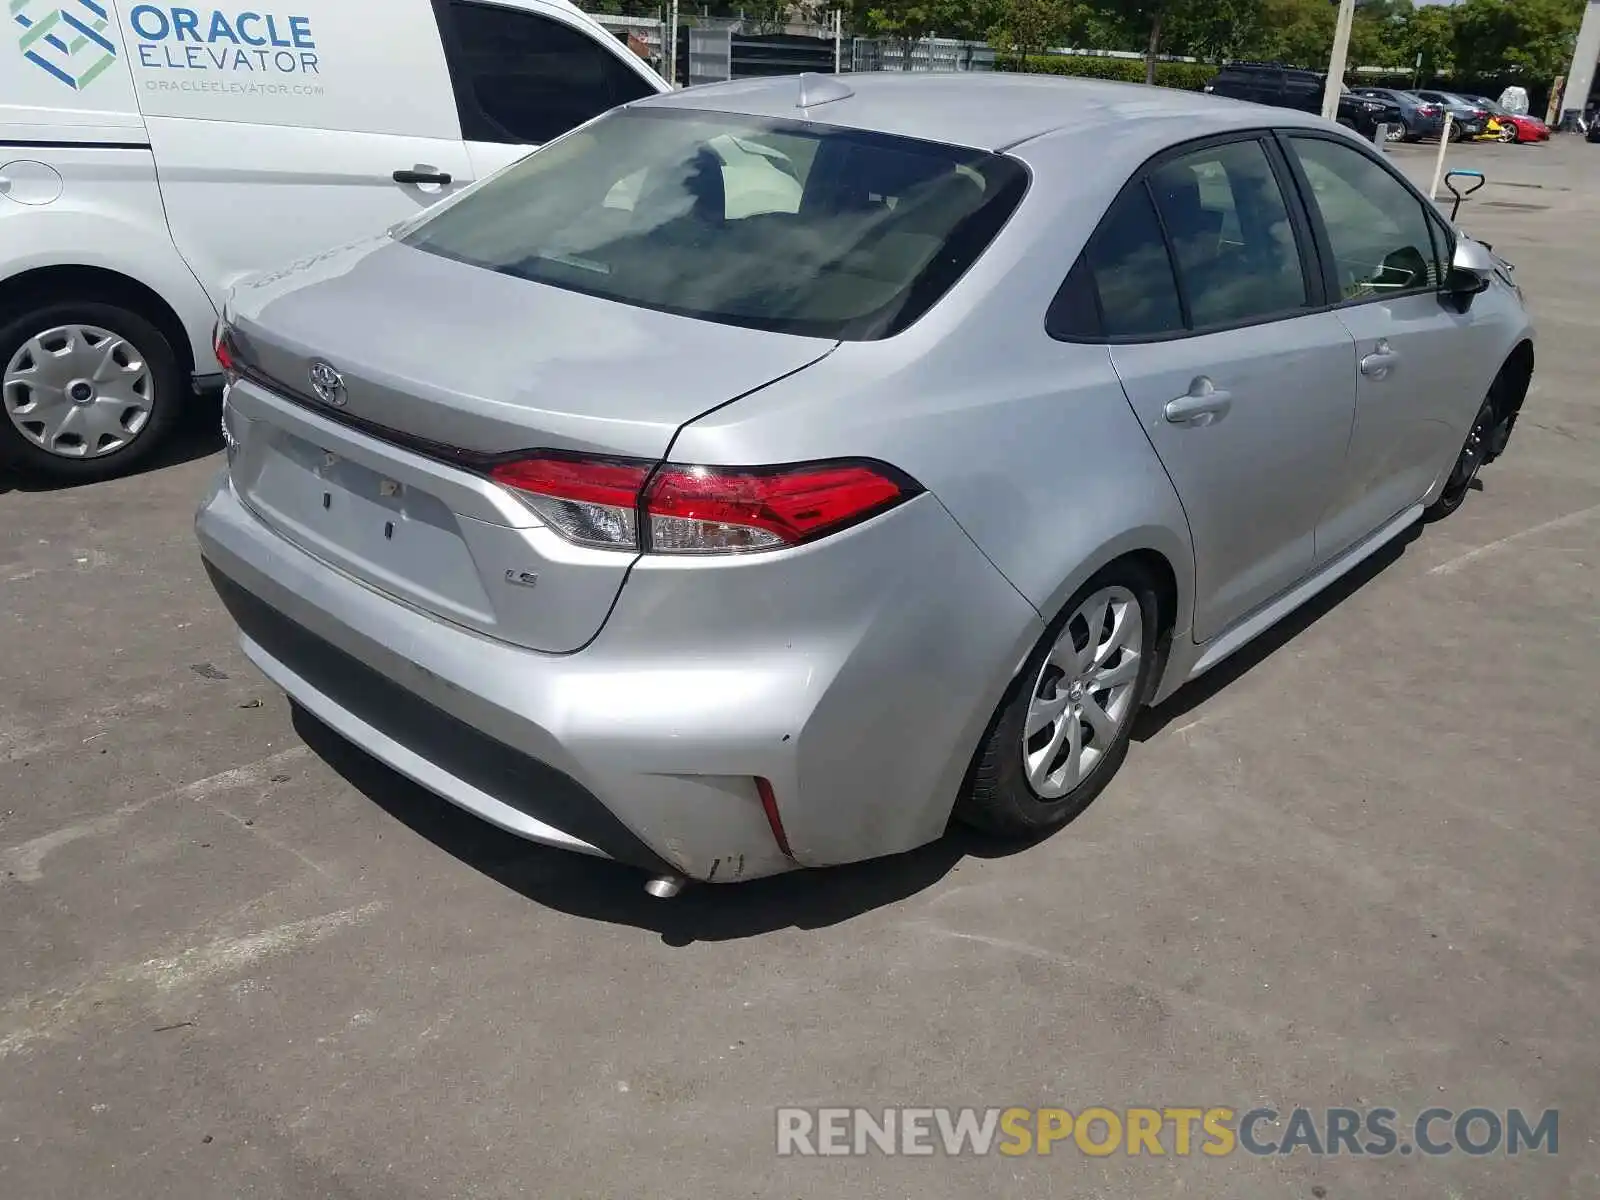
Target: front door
(1416,369)
(1245,391)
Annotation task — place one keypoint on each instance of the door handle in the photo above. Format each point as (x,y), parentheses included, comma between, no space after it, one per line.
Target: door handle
(442,178)
(1378,364)
(1204,402)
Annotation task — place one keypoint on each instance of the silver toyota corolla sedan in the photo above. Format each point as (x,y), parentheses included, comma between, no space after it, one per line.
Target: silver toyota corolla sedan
(763,473)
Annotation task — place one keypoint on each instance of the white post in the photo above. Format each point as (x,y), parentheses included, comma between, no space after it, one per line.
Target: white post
(1336,63)
(1438,166)
(672,47)
(838,38)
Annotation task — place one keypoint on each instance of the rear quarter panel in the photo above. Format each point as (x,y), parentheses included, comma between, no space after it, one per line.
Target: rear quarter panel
(1028,442)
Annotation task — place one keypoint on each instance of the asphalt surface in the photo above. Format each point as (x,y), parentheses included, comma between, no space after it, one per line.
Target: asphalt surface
(1356,867)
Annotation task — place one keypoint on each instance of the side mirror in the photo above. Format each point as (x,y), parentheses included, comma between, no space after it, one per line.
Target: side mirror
(1471,270)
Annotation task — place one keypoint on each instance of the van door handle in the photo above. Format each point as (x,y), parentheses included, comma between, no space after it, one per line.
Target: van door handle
(442,178)
(1204,403)
(1378,364)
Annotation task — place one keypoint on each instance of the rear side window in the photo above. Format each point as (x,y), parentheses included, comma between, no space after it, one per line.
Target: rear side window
(525,79)
(778,225)
(1380,236)
(1124,283)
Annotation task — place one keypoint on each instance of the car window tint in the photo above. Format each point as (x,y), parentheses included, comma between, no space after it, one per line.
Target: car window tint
(1230,230)
(525,79)
(1377,226)
(1132,271)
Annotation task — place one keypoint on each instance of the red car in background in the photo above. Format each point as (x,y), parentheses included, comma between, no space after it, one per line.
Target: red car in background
(1523,128)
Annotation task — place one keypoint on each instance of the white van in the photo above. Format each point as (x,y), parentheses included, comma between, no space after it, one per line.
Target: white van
(151,154)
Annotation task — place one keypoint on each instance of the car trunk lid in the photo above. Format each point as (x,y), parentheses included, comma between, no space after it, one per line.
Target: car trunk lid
(425,371)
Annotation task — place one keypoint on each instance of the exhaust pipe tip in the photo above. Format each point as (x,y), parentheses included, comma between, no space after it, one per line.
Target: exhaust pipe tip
(664,887)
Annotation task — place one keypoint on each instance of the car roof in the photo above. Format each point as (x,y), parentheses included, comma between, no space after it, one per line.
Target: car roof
(983,110)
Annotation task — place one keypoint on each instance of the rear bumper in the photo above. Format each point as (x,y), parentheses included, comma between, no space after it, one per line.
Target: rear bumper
(855,675)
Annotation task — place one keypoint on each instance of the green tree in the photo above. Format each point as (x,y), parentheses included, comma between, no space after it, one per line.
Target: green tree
(1221,29)
(1299,32)
(1533,38)
(1027,27)
(1430,32)
(909,21)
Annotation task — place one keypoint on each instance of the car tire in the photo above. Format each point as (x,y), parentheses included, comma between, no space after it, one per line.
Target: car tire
(1457,133)
(1022,786)
(113,355)
(1475,452)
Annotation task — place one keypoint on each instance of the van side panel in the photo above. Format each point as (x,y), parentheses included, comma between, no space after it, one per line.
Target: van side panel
(106,214)
(309,64)
(278,131)
(65,74)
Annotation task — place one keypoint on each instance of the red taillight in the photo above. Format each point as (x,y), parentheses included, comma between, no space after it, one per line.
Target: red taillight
(769,805)
(707,510)
(700,510)
(590,501)
(222,346)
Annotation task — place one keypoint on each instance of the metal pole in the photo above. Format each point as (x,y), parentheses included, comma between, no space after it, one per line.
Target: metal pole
(838,38)
(672,52)
(1336,63)
(1438,166)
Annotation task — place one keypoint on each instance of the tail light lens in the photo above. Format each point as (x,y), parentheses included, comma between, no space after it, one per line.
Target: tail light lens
(222,346)
(620,504)
(590,501)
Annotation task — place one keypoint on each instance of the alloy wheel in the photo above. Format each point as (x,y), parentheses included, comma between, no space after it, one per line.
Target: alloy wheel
(1084,693)
(79,391)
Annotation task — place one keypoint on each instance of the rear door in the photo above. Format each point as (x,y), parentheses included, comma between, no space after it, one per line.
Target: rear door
(1244,389)
(1420,375)
(280,135)
(527,73)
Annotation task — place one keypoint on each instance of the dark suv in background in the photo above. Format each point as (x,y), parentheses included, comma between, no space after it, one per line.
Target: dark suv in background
(1292,87)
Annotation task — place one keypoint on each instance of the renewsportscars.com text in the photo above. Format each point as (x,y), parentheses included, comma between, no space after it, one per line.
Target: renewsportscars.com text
(1161,1132)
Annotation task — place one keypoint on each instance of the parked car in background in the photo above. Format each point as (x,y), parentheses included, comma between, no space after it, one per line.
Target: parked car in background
(151,157)
(1419,118)
(1468,118)
(1292,87)
(647,509)
(1514,127)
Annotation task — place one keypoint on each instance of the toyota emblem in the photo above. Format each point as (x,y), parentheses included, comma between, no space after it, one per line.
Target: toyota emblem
(328,384)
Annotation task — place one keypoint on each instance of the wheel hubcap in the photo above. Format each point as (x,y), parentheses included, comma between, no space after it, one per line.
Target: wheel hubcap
(78,391)
(1084,693)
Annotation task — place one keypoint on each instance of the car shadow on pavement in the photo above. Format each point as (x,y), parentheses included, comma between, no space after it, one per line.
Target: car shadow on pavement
(197,435)
(1152,721)
(601,890)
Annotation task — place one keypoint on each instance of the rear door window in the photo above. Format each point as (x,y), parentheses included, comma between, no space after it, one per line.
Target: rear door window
(1237,253)
(525,79)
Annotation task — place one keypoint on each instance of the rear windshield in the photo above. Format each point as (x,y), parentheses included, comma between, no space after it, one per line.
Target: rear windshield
(783,226)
